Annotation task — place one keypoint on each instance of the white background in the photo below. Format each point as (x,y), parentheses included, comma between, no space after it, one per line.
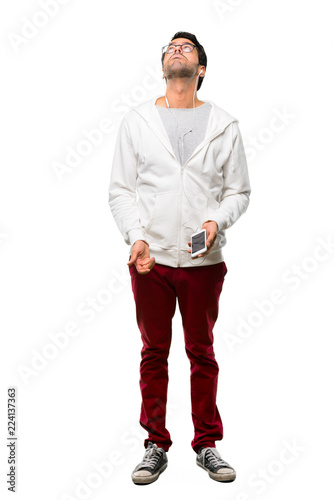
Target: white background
(60,250)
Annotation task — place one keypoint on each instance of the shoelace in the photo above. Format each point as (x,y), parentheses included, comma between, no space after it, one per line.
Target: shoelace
(214,457)
(151,457)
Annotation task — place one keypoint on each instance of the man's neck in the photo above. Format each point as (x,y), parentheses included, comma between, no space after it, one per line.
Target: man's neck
(181,95)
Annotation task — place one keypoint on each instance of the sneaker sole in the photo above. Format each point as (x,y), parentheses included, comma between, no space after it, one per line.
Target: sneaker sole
(226,478)
(148,479)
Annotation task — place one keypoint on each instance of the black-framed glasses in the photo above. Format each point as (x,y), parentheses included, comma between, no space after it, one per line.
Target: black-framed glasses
(185,47)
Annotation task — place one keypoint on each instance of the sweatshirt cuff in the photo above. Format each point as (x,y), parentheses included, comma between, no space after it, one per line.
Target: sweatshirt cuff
(222,222)
(136,234)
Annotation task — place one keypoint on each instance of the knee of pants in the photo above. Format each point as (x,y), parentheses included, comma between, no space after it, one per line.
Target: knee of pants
(155,354)
(205,356)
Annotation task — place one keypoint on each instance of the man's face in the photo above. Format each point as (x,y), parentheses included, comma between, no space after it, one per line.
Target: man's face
(180,64)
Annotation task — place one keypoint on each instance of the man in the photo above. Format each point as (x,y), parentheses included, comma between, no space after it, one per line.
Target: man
(179,167)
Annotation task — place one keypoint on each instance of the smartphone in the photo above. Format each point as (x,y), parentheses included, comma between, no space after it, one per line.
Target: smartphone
(198,243)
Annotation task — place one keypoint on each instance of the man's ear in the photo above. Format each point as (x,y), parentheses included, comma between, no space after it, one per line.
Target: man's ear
(202,70)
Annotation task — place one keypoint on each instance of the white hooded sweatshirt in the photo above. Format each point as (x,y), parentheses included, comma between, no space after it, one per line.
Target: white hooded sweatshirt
(154,198)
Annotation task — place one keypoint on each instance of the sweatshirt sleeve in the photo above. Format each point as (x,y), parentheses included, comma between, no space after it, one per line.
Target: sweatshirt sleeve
(236,189)
(122,188)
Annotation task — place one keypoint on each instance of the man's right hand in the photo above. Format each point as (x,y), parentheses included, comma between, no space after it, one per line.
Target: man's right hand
(140,257)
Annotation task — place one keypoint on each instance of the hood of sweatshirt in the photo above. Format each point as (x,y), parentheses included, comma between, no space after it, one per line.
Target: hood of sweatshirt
(219,119)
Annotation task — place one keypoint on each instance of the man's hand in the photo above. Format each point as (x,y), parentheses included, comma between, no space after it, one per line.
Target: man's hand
(140,257)
(211,232)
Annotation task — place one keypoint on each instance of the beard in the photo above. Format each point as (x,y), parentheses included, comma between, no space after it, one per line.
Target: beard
(179,71)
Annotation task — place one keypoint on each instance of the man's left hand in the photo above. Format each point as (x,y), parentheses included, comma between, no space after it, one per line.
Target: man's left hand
(211,232)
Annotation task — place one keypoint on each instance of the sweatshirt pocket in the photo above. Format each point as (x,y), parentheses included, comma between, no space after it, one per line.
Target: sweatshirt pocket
(194,214)
(162,227)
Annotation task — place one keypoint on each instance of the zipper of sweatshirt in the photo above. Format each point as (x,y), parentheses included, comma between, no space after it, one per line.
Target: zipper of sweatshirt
(179,221)
(181,169)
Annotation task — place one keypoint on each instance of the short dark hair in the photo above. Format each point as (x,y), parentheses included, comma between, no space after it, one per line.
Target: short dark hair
(202,59)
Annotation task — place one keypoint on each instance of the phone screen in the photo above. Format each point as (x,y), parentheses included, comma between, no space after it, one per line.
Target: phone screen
(198,242)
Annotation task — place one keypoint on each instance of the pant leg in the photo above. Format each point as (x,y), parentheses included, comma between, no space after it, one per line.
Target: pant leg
(155,301)
(198,291)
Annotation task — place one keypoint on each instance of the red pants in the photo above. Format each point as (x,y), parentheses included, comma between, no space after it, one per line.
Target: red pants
(197,290)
